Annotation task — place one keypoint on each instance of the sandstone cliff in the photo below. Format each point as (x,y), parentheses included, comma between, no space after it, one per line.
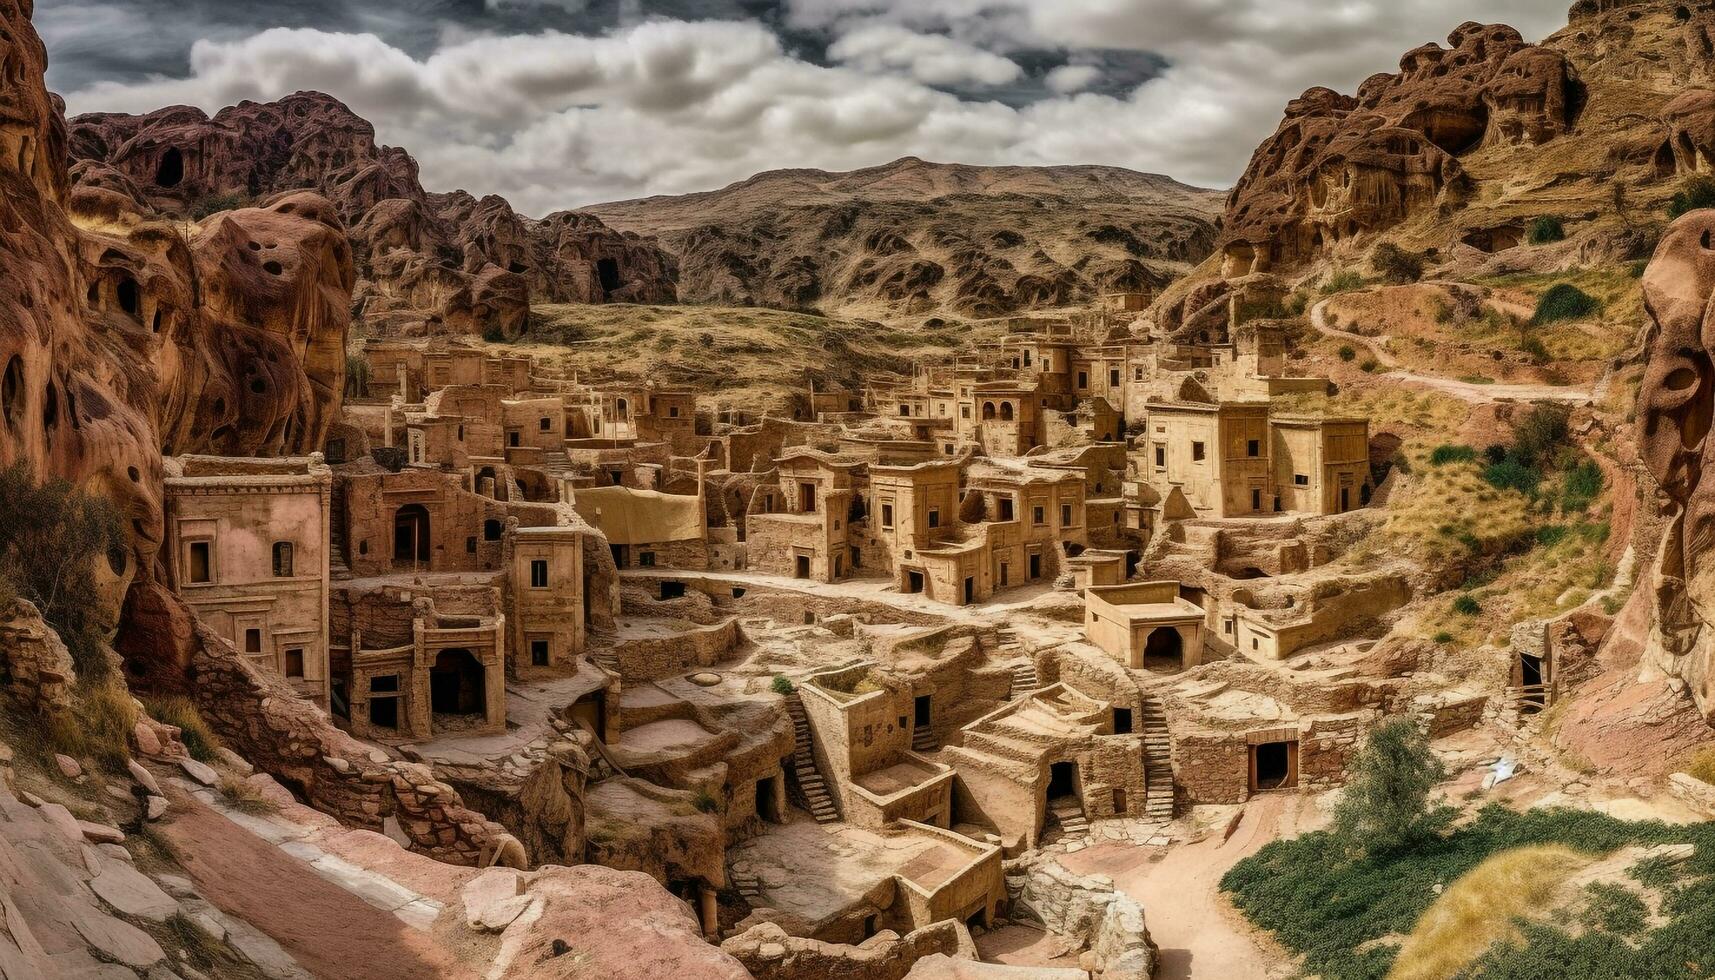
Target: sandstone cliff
(913,236)
(428,263)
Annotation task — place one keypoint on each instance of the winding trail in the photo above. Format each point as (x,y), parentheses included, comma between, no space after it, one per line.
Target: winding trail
(1465,390)
(1201,936)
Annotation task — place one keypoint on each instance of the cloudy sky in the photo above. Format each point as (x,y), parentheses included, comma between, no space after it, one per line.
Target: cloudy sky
(559,103)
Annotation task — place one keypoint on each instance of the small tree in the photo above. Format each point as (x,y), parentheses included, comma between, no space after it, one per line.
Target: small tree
(1386,803)
(1548,228)
(1395,264)
(51,534)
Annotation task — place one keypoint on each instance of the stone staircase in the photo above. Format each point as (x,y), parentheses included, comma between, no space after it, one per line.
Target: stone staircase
(1024,680)
(606,661)
(746,884)
(1069,814)
(556,461)
(804,774)
(338,567)
(923,739)
(1157,759)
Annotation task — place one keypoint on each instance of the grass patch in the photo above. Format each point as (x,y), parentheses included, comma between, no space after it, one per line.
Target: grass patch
(1342,282)
(1479,909)
(781,684)
(1446,453)
(1336,908)
(1702,766)
(100,727)
(245,798)
(181,712)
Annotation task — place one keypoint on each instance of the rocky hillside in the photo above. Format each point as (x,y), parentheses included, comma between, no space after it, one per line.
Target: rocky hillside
(427,262)
(914,236)
(1488,156)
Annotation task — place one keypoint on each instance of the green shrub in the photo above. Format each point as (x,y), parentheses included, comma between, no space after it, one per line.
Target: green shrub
(1347,353)
(1550,535)
(51,535)
(1564,301)
(1535,351)
(782,684)
(1583,485)
(1443,637)
(1467,605)
(216,203)
(1369,366)
(1342,282)
(1695,193)
(1386,803)
(1396,265)
(705,801)
(1548,228)
(1542,432)
(1614,908)
(1448,453)
(1513,474)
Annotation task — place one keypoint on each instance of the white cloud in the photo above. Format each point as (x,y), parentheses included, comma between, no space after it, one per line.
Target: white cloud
(557,120)
(932,59)
(1067,79)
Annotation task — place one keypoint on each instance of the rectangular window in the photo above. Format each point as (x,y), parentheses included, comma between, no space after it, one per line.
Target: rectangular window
(1083,379)
(512,438)
(887,515)
(545,424)
(1065,515)
(807,497)
(1006,508)
(384,684)
(964,411)
(1137,374)
(539,653)
(1300,479)
(201,567)
(1256,500)
(1114,377)
(295,662)
(1161,455)
(646,559)
(618,477)
(672,411)
(538,573)
(282,559)
(1197,452)
(934,517)
(253,640)
(1038,517)
(1253,448)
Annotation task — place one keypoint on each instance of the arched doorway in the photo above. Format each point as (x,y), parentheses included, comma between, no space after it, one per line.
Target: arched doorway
(1164,650)
(456,684)
(411,534)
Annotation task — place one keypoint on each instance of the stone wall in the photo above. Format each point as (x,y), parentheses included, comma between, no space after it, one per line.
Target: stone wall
(651,658)
(293,741)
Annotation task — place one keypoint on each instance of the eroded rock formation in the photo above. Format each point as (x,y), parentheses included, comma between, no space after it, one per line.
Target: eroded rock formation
(429,263)
(1341,166)
(1676,407)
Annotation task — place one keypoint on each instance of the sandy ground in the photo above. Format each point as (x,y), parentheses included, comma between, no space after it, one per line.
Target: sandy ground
(331,932)
(1019,945)
(1465,390)
(1200,934)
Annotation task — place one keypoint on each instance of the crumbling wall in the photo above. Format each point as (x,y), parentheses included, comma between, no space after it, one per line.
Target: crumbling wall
(769,953)
(293,741)
(1088,911)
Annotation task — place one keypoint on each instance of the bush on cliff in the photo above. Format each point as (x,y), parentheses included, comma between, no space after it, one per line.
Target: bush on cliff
(51,535)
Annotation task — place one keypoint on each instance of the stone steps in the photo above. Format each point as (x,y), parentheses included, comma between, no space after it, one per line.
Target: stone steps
(804,774)
(923,739)
(1024,680)
(1070,817)
(1159,800)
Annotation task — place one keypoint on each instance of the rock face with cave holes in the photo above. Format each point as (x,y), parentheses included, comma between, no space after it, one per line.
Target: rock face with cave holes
(1341,166)
(428,263)
(1676,405)
(129,334)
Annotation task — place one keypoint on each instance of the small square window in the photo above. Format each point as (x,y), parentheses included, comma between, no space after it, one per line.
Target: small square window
(1006,508)
(672,411)
(253,640)
(646,559)
(295,662)
(538,573)
(1038,516)
(1253,448)
(539,653)
(1197,452)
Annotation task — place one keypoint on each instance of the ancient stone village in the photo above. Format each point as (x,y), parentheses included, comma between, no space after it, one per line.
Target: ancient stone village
(1301,580)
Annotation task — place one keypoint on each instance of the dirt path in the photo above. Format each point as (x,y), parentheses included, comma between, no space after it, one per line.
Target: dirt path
(1466,390)
(328,930)
(1201,936)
